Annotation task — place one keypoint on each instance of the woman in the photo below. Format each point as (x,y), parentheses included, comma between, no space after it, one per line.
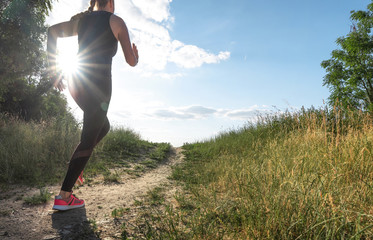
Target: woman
(99,31)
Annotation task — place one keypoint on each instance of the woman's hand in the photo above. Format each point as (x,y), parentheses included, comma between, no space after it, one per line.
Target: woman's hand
(60,86)
(134,49)
(56,79)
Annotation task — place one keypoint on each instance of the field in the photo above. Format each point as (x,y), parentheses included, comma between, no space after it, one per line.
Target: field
(37,153)
(305,175)
(302,175)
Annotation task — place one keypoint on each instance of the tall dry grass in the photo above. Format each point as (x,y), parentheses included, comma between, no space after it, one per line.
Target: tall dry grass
(35,152)
(304,175)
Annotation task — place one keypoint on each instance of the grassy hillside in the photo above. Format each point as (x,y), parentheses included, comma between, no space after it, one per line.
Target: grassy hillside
(34,153)
(307,175)
(37,153)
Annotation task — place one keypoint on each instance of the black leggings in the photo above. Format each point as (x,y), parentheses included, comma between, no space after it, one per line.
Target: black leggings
(92,94)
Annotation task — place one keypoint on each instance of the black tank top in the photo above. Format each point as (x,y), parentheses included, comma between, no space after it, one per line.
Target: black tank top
(97,43)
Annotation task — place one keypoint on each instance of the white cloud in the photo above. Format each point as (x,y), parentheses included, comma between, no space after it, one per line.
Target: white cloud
(162,75)
(149,25)
(157,10)
(183,113)
(172,114)
(190,56)
(200,112)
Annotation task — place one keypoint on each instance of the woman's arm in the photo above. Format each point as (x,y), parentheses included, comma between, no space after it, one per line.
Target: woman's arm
(120,31)
(64,29)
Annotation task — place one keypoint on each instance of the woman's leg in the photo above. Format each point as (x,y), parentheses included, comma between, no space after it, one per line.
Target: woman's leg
(95,127)
(104,130)
(89,97)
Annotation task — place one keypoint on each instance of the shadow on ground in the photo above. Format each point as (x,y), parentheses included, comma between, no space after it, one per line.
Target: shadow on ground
(73,224)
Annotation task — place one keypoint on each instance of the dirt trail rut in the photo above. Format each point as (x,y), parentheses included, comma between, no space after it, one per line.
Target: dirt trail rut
(20,221)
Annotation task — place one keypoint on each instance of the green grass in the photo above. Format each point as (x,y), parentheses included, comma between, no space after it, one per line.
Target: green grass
(307,175)
(124,148)
(43,197)
(35,152)
(122,142)
(149,163)
(112,178)
(161,152)
(147,216)
(119,212)
(156,196)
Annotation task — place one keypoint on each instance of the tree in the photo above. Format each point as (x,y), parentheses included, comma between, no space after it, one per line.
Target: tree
(24,87)
(350,70)
(22,33)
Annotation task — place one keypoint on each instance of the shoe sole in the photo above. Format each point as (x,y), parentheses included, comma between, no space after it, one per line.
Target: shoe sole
(67,207)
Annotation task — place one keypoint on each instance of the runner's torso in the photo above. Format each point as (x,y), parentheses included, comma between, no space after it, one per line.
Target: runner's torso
(97,44)
(91,86)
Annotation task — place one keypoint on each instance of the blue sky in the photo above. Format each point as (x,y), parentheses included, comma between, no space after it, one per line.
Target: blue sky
(208,66)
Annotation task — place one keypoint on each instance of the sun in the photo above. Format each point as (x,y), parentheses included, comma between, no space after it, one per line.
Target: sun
(67,58)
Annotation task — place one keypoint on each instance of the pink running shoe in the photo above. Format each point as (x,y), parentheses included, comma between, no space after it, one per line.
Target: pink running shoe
(80,180)
(62,205)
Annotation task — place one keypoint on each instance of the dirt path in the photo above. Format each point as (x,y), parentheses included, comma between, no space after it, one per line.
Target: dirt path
(20,221)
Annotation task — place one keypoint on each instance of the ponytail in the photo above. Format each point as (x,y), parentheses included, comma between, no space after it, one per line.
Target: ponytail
(91,5)
(80,15)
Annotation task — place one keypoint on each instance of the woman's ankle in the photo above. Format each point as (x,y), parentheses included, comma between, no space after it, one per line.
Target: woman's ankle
(64,194)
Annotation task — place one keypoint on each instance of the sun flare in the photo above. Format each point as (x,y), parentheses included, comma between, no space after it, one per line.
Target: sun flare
(67,58)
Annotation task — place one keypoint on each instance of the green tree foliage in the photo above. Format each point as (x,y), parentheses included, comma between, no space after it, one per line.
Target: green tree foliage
(24,87)
(350,70)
